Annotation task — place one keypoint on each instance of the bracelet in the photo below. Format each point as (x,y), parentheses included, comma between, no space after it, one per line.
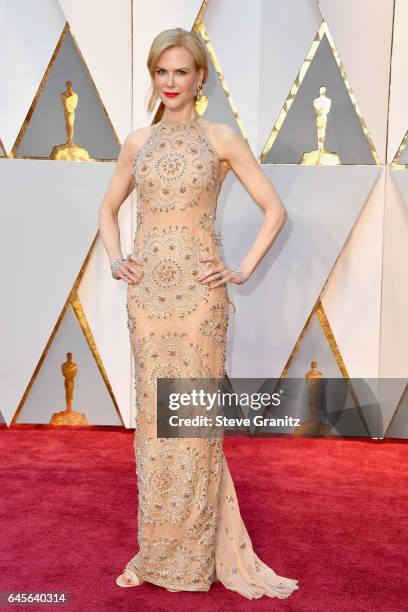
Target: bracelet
(240,273)
(116,265)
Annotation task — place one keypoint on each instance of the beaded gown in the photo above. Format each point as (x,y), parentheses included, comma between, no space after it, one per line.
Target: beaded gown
(190,531)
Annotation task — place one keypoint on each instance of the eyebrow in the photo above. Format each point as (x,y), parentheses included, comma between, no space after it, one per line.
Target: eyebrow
(182,68)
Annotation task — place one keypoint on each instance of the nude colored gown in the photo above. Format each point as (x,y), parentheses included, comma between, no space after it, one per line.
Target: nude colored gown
(190,530)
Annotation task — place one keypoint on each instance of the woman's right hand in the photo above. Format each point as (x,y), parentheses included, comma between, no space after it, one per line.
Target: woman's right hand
(130,271)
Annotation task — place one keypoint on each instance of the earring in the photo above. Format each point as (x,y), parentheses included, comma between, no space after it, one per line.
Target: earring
(201,101)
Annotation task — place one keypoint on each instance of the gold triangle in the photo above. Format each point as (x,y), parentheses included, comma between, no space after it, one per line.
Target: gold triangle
(200,14)
(320,313)
(323,30)
(318,310)
(66,29)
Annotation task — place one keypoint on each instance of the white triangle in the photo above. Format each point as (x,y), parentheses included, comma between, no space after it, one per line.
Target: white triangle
(394,329)
(322,205)
(352,296)
(104,302)
(54,213)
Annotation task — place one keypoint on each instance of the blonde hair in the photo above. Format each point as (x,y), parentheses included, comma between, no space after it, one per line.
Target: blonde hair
(176,37)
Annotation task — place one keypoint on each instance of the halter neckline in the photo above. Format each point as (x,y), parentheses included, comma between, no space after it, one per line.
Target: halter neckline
(183,122)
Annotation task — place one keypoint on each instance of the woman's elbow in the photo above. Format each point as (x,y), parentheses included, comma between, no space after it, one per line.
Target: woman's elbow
(280,218)
(105,214)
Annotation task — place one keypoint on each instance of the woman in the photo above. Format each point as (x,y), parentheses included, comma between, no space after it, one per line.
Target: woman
(190,531)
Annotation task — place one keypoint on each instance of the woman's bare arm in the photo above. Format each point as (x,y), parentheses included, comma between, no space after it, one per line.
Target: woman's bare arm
(232,148)
(244,165)
(119,188)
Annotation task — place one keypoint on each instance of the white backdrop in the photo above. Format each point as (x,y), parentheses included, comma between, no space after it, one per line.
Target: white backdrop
(344,243)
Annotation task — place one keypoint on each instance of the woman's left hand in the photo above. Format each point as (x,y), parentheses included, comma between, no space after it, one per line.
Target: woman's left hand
(219,273)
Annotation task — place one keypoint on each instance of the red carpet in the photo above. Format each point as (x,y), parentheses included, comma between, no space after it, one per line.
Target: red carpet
(331,513)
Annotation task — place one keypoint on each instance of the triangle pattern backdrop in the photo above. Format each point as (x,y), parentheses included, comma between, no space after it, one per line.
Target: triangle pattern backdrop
(398,426)
(339,415)
(90,395)
(401,157)
(314,346)
(295,132)
(68,196)
(221,107)
(44,126)
(317,343)
(296,269)
(401,178)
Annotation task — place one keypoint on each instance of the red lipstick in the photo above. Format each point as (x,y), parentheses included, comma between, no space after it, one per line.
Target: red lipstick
(171,94)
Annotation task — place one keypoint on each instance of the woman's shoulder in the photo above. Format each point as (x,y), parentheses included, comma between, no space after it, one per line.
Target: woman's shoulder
(137,137)
(135,141)
(225,136)
(222,135)
(222,130)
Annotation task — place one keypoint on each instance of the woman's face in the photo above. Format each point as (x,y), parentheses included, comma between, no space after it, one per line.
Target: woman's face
(176,74)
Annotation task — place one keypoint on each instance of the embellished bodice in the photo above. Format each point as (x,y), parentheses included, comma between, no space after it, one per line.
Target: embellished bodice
(177,179)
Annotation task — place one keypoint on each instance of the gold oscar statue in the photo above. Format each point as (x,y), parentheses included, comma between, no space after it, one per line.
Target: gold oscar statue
(314,425)
(69,151)
(321,157)
(69,416)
